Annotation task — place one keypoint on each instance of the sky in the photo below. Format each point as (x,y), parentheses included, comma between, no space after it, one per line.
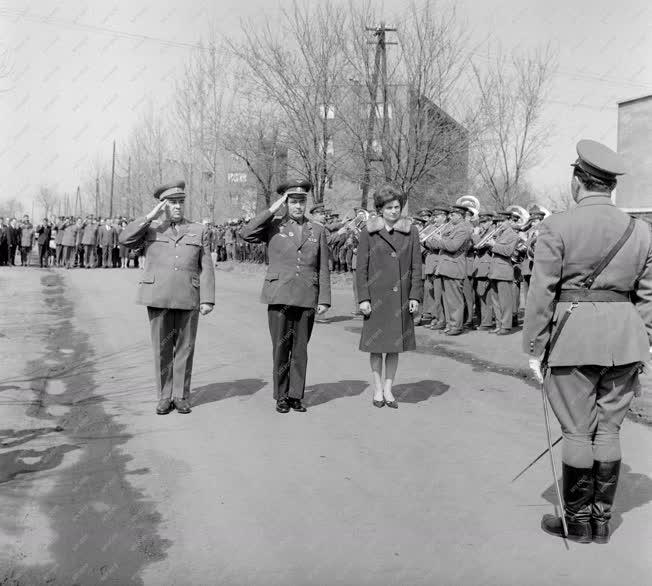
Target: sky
(80,73)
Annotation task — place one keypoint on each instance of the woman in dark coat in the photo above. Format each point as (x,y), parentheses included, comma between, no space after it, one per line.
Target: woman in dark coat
(390,289)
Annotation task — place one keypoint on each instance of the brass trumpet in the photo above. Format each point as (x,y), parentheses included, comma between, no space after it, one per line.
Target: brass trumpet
(432,230)
(356,223)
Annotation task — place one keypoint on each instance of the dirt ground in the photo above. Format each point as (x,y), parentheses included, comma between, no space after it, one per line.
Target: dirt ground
(98,489)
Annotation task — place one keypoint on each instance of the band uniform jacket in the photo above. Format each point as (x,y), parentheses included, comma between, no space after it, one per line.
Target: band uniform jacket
(501,268)
(526,263)
(470,253)
(481,265)
(298,273)
(569,246)
(388,276)
(71,235)
(107,238)
(89,234)
(179,271)
(452,252)
(58,238)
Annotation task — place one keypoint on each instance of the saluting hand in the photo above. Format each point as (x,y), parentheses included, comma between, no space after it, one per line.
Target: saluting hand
(278,204)
(205,308)
(158,209)
(535,367)
(365,308)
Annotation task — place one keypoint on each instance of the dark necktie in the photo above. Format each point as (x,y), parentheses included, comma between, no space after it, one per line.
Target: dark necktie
(173,226)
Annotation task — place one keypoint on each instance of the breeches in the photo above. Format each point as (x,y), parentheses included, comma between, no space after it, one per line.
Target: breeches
(590,403)
(173,334)
(290,328)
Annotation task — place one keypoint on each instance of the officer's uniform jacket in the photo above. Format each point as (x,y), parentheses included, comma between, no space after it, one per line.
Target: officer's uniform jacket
(89,234)
(569,246)
(298,272)
(526,263)
(501,268)
(43,235)
(452,251)
(107,238)
(179,272)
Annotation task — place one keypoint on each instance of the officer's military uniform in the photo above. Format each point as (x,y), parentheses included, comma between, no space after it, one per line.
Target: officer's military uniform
(179,276)
(70,241)
(435,290)
(90,243)
(605,336)
(482,267)
(297,280)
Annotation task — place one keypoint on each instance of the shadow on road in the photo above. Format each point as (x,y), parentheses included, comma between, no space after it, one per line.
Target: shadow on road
(325,392)
(634,490)
(419,391)
(219,391)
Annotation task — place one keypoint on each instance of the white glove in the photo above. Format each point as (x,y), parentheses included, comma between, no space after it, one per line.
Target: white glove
(535,367)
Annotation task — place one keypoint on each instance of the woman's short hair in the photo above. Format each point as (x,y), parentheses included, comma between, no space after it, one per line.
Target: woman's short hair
(386,194)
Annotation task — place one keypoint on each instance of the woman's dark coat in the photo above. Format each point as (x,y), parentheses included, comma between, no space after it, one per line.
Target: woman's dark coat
(388,274)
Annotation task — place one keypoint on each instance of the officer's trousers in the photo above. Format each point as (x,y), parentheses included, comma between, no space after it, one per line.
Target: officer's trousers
(90,256)
(106,257)
(25,251)
(590,403)
(290,328)
(58,259)
(173,333)
(502,296)
(69,255)
(453,290)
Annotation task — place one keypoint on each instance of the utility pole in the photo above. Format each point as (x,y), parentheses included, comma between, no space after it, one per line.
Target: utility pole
(129,202)
(78,209)
(97,195)
(112,177)
(380,66)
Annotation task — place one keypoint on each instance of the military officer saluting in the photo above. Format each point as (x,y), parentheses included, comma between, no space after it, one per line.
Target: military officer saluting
(296,284)
(589,317)
(177,285)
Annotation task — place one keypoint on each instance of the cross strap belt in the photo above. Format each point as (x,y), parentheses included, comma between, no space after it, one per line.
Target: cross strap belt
(594,296)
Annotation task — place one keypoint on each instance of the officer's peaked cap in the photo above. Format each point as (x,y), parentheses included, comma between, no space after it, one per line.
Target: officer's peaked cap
(599,160)
(297,189)
(174,189)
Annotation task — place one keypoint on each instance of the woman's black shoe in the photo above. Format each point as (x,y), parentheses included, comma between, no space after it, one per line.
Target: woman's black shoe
(378,403)
(391,404)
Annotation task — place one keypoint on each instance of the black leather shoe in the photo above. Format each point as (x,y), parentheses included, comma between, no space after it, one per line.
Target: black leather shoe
(453,332)
(297,405)
(502,332)
(282,406)
(164,407)
(182,406)
(378,403)
(392,404)
(485,328)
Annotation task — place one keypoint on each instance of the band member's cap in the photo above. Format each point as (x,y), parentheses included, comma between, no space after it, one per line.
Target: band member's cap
(318,209)
(297,189)
(174,189)
(440,208)
(418,220)
(486,216)
(424,213)
(459,209)
(504,214)
(599,160)
(536,213)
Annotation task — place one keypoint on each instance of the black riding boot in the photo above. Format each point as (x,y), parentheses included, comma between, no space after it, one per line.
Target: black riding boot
(605,475)
(578,501)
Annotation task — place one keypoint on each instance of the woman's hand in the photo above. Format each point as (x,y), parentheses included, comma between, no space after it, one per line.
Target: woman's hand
(414,306)
(365,308)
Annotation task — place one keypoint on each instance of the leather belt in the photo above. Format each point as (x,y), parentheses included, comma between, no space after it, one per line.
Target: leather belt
(594,296)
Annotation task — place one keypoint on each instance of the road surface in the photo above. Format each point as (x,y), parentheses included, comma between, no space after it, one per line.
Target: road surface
(98,489)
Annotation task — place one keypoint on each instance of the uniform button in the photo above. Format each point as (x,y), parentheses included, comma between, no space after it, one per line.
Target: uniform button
(393,254)
(395,289)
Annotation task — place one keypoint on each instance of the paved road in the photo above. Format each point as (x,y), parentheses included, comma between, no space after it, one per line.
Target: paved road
(97,489)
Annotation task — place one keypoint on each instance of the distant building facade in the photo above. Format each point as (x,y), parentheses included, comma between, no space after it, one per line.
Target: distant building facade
(634,191)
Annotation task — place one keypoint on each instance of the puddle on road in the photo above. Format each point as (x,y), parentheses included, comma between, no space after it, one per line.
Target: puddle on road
(98,520)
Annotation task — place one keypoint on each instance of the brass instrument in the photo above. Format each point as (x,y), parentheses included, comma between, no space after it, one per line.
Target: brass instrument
(522,213)
(356,223)
(491,233)
(432,230)
(532,241)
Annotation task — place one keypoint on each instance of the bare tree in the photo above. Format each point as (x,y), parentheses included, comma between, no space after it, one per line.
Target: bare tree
(297,66)
(47,199)
(512,94)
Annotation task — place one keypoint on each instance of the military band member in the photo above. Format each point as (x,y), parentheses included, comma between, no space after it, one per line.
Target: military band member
(589,316)
(536,215)
(469,286)
(439,218)
(481,271)
(452,245)
(177,285)
(501,272)
(297,282)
